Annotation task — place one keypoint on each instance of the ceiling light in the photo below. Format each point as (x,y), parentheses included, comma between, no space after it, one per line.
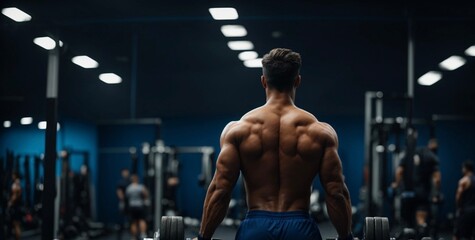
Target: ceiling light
(85,61)
(429,78)
(254,63)
(452,63)
(226,13)
(26,120)
(110,78)
(42,125)
(240,45)
(16,14)
(470,51)
(7,124)
(45,42)
(247,55)
(233,31)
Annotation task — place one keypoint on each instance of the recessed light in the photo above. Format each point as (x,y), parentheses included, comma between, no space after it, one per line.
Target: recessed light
(254,63)
(26,120)
(233,31)
(240,45)
(7,124)
(46,42)
(452,63)
(16,14)
(470,51)
(225,13)
(85,61)
(110,78)
(247,55)
(429,78)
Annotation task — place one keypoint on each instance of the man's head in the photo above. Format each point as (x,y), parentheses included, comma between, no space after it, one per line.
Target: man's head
(433,145)
(124,173)
(281,68)
(134,178)
(467,166)
(15,175)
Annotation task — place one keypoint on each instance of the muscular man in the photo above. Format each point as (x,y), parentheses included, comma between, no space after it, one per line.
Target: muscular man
(426,177)
(14,204)
(465,200)
(280,149)
(137,195)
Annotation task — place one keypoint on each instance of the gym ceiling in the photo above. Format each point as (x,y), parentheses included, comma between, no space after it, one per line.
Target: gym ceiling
(174,61)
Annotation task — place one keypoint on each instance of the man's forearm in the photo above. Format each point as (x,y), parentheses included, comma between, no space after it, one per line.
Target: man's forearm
(339,210)
(214,210)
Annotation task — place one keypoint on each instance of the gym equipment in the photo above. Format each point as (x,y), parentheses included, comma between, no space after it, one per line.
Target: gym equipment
(173,228)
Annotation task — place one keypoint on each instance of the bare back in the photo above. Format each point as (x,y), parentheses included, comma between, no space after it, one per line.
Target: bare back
(280,149)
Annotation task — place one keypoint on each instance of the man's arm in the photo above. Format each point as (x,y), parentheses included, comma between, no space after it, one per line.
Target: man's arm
(120,194)
(464,183)
(220,189)
(337,195)
(398,176)
(16,192)
(436,178)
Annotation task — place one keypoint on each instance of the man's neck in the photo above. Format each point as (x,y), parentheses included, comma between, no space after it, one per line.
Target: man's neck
(280,98)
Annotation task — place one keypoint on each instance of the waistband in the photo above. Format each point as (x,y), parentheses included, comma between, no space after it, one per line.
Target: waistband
(269,214)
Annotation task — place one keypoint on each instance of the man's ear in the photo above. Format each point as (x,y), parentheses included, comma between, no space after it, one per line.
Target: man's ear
(263,81)
(297,81)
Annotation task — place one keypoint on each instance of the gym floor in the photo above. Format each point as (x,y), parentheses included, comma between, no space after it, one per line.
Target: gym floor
(226,233)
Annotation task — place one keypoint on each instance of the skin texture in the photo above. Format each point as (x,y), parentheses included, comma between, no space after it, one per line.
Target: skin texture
(279,149)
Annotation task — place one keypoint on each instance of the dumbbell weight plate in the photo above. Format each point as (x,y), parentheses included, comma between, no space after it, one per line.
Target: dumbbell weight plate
(385,230)
(180,229)
(172,228)
(369,229)
(378,228)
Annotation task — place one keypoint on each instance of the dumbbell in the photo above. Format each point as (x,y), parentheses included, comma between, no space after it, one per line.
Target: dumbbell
(173,228)
(376,228)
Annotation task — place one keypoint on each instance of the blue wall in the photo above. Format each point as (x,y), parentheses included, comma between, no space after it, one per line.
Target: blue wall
(29,140)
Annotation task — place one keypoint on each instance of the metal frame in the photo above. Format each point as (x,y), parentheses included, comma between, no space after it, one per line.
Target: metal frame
(158,152)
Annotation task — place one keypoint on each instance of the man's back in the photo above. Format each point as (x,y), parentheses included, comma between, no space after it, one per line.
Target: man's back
(281,150)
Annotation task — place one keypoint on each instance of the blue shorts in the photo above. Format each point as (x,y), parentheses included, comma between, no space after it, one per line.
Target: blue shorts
(278,225)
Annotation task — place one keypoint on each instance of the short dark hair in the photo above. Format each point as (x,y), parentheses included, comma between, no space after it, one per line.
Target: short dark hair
(280,67)
(468,165)
(16,174)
